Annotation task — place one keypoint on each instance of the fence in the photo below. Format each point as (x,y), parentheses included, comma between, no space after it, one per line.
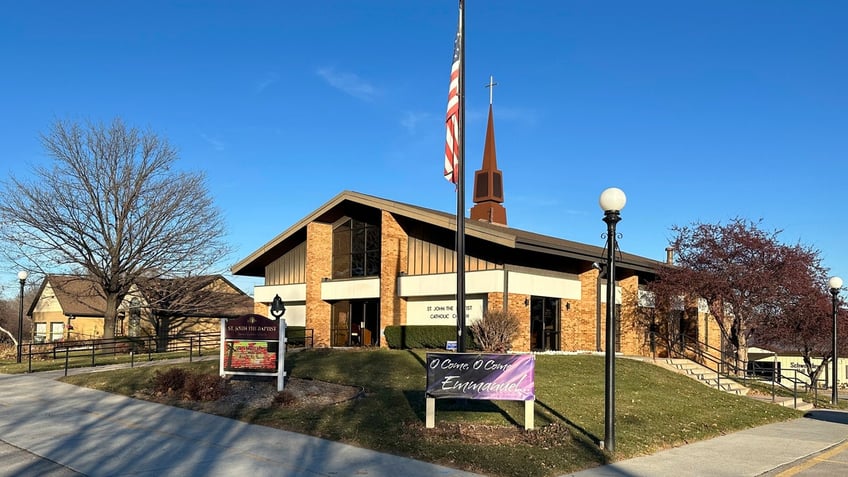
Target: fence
(82,353)
(87,352)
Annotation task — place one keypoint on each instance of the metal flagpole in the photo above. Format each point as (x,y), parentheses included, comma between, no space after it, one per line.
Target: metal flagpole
(460,191)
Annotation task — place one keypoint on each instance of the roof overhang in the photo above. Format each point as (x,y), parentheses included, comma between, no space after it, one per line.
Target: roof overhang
(254,264)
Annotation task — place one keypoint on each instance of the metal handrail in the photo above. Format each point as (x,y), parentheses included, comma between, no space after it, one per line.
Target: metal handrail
(714,360)
(300,337)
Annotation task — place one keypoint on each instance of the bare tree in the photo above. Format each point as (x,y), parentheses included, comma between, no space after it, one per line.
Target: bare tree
(177,304)
(10,315)
(8,321)
(112,206)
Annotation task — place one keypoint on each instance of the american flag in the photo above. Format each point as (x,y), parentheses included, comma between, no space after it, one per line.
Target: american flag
(452,119)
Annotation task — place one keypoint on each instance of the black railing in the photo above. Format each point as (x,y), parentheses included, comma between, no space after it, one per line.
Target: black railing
(297,337)
(94,352)
(86,352)
(730,368)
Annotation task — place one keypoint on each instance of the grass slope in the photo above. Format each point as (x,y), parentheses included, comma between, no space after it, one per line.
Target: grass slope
(655,409)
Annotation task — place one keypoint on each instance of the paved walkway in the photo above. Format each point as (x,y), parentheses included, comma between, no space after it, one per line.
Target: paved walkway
(48,428)
(752,452)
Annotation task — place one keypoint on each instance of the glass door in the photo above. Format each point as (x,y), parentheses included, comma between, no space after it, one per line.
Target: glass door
(356,323)
(544,324)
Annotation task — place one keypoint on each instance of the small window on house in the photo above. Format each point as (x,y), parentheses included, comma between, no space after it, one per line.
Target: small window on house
(57,331)
(40,332)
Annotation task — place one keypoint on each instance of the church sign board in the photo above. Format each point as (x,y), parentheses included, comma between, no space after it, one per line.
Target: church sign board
(253,345)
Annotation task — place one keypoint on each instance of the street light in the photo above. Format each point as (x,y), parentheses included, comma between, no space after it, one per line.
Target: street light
(835,284)
(278,307)
(135,316)
(612,201)
(22,276)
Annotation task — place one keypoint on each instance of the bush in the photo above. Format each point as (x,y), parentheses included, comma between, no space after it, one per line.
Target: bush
(204,387)
(422,336)
(285,398)
(495,331)
(170,381)
(401,337)
(186,385)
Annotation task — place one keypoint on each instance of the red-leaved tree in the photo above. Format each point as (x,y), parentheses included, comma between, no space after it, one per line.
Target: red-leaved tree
(746,276)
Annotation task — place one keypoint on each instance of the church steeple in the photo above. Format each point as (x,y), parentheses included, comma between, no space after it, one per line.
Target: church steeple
(488,181)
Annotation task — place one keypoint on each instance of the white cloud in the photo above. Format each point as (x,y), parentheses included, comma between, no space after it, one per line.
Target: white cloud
(348,83)
(266,81)
(215,143)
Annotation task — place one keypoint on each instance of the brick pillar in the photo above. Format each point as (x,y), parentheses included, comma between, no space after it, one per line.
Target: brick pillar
(633,330)
(522,311)
(393,260)
(579,325)
(319,264)
(710,333)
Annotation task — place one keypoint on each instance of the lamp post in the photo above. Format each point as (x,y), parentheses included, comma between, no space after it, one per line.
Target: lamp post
(135,316)
(612,201)
(22,276)
(835,284)
(278,307)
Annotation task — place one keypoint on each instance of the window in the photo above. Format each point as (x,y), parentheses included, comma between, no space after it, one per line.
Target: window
(40,332)
(356,249)
(57,331)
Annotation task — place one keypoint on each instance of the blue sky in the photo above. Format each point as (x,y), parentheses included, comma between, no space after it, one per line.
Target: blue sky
(699,111)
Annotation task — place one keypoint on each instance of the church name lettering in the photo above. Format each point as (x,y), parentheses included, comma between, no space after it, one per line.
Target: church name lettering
(259,329)
(445,312)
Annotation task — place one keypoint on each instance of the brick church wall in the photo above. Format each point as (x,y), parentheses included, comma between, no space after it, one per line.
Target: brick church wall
(634,340)
(578,324)
(393,261)
(515,306)
(319,256)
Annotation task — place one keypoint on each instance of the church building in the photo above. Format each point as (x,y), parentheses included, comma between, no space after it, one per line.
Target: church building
(360,263)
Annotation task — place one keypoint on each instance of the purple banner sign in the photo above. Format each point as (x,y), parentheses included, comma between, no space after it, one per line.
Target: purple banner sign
(508,377)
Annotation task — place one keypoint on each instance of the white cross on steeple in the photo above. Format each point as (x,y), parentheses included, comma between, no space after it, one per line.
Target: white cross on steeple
(491,87)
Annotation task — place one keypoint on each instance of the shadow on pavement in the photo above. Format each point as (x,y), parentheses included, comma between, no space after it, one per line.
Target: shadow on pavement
(838,417)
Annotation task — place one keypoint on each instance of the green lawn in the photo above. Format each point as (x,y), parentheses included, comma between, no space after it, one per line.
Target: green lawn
(655,409)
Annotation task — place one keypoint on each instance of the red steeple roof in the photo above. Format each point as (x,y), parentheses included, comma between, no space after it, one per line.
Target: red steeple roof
(488,182)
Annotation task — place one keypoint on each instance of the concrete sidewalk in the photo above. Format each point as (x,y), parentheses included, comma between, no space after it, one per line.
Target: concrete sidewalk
(751,452)
(56,429)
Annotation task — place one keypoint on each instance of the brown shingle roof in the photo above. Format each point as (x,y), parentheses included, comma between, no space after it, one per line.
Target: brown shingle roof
(254,264)
(82,296)
(78,296)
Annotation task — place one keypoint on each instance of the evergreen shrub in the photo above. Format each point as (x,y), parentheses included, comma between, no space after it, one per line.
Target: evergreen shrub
(422,336)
